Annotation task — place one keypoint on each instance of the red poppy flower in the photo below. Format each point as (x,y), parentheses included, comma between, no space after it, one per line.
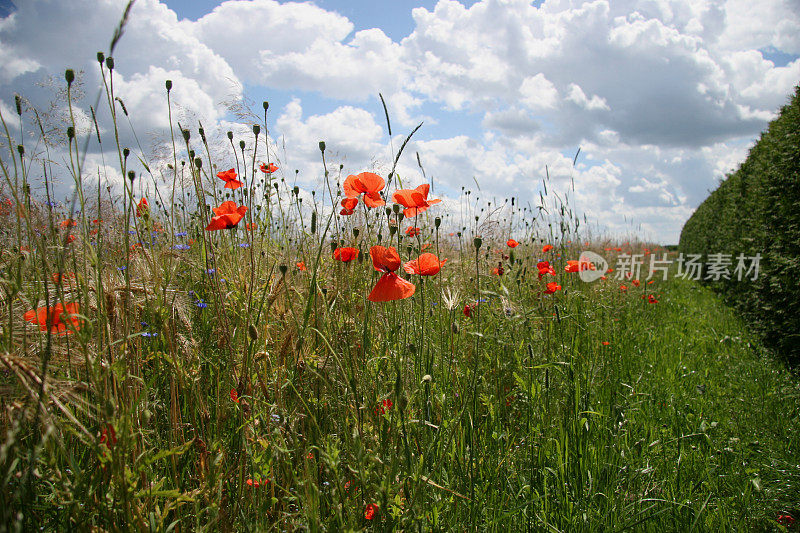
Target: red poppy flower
(345,255)
(56,318)
(415,201)
(391,287)
(623,288)
(301,266)
(426,265)
(552,287)
(546,248)
(142,208)
(251,226)
(268,169)
(512,243)
(785,520)
(229,177)
(545,268)
(650,282)
(498,271)
(635,282)
(606,343)
(71,238)
(384,407)
(652,299)
(227,216)
(371,510)
(412,232)
(108,436)
(469,309)
(234,396)
(368,183)
(348,206)
(384,259)
(577,266)
(67,223)
(254,484)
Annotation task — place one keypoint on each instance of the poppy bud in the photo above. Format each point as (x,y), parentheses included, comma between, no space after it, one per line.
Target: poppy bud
(477,241)
(125,153)
(168,83)
(241,145)
(511,257)
(266,105)
(392,230)
(131,175)
(388,211)
(230,135)
(396,208)
(454,327)
(101,57)
(191,154)
(380,238)
(202,133)
(70,132)
(322,146)
(296,190)
(252,332)
(69,75)
(313,222)
(437,221)
(334,246)
(256,129)
(186,135)
(411,348)
(283,269)
(355,232)
(18,102)
(21,150)
(110,63)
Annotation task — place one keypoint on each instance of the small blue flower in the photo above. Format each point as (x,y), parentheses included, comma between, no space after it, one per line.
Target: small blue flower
(148,334)
(181,247)
(201,304)
(191,293)
(244,245)
(181,234)
(132,231)
(144,324)
(211,271)
(123,267)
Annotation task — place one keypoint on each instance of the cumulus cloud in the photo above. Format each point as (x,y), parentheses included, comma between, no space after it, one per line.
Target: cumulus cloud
(663,96)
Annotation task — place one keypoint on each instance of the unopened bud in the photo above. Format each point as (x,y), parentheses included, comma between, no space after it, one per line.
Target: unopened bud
(131,175)
(296,190)
(101,57)
(256,129)
(186,135)
(283,269)
(198,162)
(70,132)
(21,150)
(355,232)
(241,145)
(168,84)
(252,332)
(477,241)
(69,75)
(266,105)
(437,221)
(396,208)
(110,63)
(322,146)
(125,153)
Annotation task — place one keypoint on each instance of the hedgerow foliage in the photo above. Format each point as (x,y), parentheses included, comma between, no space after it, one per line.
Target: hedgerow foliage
(757,210)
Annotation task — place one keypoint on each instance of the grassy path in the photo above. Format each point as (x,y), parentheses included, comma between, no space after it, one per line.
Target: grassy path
(712,421)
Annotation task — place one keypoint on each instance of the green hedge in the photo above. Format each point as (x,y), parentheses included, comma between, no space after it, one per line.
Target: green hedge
(757,210)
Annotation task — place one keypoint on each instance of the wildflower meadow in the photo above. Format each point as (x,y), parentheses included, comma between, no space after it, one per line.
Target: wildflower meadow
(205,346)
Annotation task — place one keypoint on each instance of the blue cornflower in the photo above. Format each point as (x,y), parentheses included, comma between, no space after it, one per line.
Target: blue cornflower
(123,267)
(211,271)
(181,247)
(201,304)
(244,245)
(148,334)
(181,234)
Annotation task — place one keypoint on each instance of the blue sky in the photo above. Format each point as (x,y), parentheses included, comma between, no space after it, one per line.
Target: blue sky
(664,97)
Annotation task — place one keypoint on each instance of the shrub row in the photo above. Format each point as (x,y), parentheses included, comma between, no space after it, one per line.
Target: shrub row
(756,210)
